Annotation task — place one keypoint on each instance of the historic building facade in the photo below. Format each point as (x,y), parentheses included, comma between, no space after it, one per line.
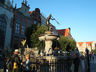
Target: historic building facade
(35,16)
(14,21)
(23,18)
(65,32)
(6,17)
(21,21)
(83,45)
(43,19)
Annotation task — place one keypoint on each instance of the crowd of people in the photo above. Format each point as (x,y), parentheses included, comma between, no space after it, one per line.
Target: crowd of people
(15,64)
(81,62)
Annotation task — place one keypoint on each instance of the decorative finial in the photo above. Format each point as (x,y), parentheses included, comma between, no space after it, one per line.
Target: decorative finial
(23,1)
(26,2)
(12,2)
(15,5)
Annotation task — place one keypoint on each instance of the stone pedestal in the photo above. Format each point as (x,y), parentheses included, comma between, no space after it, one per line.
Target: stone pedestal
(48,47)
(48,37)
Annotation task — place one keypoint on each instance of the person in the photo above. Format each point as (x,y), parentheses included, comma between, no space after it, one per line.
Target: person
(92,57)
(82,64)
(9,64)
(87,61)
(76,60)
(27,64)
(16,62)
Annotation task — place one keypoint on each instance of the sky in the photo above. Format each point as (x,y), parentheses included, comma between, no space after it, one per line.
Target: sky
(79,15)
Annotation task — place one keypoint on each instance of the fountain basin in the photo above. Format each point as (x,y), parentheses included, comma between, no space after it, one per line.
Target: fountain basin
(47,37)
(42,37)
(50,37)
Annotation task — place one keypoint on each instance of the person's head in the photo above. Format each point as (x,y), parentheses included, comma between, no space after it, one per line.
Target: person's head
(82,57)
(74,56)
(16,51)
(27,56)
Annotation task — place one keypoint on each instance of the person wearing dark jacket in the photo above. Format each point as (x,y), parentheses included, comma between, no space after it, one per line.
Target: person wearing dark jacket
(76,60)
(76,63)
(9,64)
(16,62)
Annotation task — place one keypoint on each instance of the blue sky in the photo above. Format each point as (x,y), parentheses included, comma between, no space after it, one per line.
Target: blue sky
(79,15)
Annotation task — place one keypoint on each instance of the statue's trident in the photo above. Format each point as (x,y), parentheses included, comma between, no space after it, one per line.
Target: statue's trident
(48,20)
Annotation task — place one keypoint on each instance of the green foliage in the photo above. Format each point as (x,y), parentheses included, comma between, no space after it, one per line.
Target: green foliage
(67,44)
(56,44)
(94,51)
(28,33)
(33,32)
(32,35)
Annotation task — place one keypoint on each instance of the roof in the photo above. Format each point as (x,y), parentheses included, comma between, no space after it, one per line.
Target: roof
(88,43)
(31,12)
(80,43)
(64,32)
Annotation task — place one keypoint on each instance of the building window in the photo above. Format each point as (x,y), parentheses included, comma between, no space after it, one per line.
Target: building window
(35,22)
(22,30)
(17,28)
(3,25)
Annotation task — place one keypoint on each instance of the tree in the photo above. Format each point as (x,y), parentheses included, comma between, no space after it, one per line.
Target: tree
(94,51)
(32,35)
(67,44)
(28,33)
(56,45)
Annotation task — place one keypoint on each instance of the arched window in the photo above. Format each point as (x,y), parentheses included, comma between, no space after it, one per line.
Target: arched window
(3,25)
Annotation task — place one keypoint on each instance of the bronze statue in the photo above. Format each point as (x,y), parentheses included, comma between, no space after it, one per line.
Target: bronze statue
(48,21)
